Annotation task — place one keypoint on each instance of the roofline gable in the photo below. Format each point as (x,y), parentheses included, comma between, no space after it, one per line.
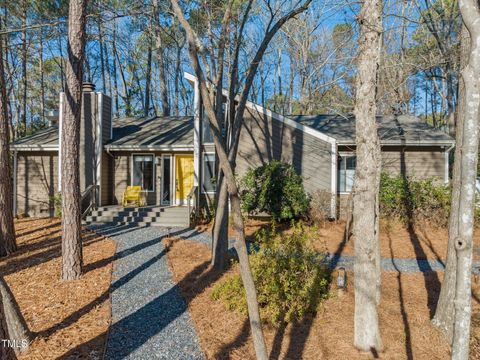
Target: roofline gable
(264,111)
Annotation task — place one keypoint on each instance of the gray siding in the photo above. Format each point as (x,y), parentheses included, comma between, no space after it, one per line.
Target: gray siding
(416,162)
(264,139)
(37,183)
(107,180)
(106,118)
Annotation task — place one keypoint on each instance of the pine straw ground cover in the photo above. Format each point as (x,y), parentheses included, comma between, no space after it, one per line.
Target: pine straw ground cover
(69,319)
(423,241)
(405,312)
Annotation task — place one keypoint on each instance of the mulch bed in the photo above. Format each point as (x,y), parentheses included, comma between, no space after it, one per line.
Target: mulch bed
(405,312)
(70,319)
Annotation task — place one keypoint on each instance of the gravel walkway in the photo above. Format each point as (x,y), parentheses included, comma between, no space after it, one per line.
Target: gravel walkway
(150,319)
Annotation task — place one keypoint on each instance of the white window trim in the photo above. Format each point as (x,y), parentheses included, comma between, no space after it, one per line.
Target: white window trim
(203,172)
(154,171)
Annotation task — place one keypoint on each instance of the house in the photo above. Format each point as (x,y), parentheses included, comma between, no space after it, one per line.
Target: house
(173,158)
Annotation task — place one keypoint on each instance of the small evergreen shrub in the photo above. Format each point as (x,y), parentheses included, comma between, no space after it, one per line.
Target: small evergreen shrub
(276,189)
(409,199)
(288,274)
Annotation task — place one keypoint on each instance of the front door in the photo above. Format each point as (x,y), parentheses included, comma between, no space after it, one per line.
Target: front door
(184,177)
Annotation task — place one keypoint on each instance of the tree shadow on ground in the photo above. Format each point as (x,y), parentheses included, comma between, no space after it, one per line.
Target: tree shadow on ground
(141,325)
(431,280)
(403,311)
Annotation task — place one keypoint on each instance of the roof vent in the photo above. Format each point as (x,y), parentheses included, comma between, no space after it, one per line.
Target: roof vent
(88,86)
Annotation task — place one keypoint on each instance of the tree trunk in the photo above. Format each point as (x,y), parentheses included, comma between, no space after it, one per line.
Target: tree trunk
(114,70)
(220,226)
(161,64)
(24,72)
(147,81)
(102,56)
(6,352)
(445,311)
(463,243)
(42,81)
(7,230)
(16,325)
(71,211)
(365,196)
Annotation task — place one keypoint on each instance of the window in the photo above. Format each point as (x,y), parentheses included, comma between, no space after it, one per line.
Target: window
(346,172)
(208,173)
(207,135)
(143,172)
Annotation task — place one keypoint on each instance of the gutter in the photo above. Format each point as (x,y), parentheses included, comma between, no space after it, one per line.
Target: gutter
(110,148)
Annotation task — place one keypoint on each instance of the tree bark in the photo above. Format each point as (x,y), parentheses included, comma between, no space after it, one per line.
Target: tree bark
(24,71)
(445,311)
(6,352)
(220,226)
(470,12)
(71,211)
(16,325)
(161,64)
(367,174)
(147,81)
(7,230)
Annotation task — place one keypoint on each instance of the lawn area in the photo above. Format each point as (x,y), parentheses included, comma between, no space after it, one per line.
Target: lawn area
(408,301)
(70,319)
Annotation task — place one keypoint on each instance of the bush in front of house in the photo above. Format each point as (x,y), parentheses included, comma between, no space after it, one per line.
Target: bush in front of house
(320,207)
(410,199)
(288,274)
(275,189)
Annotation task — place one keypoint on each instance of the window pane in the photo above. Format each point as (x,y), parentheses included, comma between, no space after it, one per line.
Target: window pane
(209,181)
(143,172)
(206,131)
(137,172)
(148,175)
(346,173)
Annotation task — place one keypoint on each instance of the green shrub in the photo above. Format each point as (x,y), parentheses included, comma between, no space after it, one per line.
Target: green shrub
(276,189)
(288,275)
(57,203)
(416,200)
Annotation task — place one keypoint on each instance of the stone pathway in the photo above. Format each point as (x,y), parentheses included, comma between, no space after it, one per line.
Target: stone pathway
(150,319)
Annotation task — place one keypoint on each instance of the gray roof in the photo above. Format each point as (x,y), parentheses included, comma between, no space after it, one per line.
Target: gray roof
(158,133)
(392,130)
(42,140)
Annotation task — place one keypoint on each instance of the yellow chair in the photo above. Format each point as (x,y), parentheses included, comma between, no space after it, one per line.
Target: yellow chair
(133,195)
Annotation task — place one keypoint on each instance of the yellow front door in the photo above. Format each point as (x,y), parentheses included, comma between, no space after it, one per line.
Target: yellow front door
(184,177)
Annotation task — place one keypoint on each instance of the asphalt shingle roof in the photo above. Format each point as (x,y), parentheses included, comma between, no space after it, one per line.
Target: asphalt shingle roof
(392,130)
(128,133)
(153,132)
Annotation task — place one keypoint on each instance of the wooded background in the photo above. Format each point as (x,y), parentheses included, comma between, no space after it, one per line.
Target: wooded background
(136,53)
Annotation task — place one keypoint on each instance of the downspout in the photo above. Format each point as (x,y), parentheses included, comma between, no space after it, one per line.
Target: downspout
(447,163)
(15,183)
(333,204)
(196,143)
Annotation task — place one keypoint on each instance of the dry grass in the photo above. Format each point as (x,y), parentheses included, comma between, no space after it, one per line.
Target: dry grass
(405,312)
(70,319)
